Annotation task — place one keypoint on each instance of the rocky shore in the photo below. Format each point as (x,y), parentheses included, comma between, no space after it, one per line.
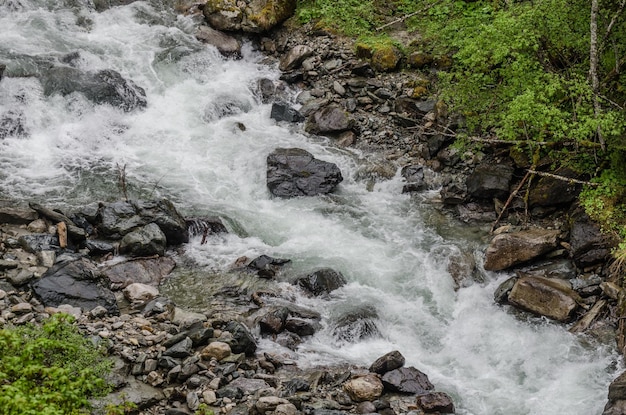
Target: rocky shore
(104,262)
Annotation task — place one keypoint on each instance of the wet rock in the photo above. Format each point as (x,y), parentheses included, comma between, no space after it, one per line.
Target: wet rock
(116,219)
(436,402)
(549,191)
(146,271)
(546,297)
(508,249)
(390,361)
(243,341)
(299,327)
(501,295)
(101,87)
(180,350)
(321,281)
(490,181)
(2,69)
(98,247)
(227,45)
(295,172)
(407,380)
(329,120)
(364,388)
(205,226)
(356,325)
(76,283)
(252,16)
(589,245)
(144,242)
(294,58)
(17,215)
(266,266)
(273,322)
(164,214)
(34,243)
(414,178)
(281,111)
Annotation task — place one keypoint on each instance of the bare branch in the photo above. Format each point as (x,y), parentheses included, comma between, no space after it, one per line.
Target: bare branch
(562,178)
(408,16)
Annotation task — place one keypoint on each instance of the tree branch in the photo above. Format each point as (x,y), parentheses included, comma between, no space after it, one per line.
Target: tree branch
(408,16)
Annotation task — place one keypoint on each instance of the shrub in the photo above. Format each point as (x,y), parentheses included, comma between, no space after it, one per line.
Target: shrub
(50,370)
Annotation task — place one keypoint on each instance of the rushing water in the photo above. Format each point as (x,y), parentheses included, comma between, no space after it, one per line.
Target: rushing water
(68,151)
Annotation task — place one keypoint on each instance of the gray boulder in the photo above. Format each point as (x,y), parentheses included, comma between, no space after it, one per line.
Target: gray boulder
(548,297)
(508,249)
(489,181)
(281,111)
(146,241)
(388,362)
(294,57)
(329,120)
(145,271)
(295,172)
(242,341)
(589,245)
(407,380)
(102,87)
(549,191)
(321,281)
(76,283)
(225,44)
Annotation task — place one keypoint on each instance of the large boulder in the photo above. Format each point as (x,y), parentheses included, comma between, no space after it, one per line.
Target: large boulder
(295,172)
(589,245)
(328,120)
(321,281)
(388,362)
(508,249)
(117,219)
(242,341)
(407,380)
(545,296)
(252,16)
(294,57)
(490,180)
(145,271)
(101,87)
(364,388)
(436,402)
(356,325)
(225,44)
(146,241)
(549,191)
(77,283)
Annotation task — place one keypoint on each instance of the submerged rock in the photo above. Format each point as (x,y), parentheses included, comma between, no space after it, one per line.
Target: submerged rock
(102,87)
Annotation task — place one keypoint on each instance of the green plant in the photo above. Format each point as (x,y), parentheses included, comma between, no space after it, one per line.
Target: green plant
(123,408)
(204,409)
(49,370)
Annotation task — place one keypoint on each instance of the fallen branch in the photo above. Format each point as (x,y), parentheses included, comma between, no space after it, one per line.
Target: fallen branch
(562,178)
(508,201)
(408,16)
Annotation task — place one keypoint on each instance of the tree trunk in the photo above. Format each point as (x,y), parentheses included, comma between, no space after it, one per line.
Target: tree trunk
(593,65)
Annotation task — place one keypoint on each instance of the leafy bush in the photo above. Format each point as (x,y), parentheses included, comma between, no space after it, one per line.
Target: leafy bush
(49,370)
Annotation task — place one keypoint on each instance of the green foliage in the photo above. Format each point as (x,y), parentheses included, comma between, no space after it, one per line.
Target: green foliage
(350,17)
(605,202)
(204,409)
(49,370)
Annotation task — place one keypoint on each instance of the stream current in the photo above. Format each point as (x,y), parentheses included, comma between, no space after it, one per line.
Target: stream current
(393,249)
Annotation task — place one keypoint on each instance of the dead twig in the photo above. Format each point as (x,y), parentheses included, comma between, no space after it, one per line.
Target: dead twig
(408,16)
(509,200)
(562,178)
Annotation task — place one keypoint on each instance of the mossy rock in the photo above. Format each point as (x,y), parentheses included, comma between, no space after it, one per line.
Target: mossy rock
(363,50)
(419,60)
(252,16)
(386,58)
(443,62)
(419,92)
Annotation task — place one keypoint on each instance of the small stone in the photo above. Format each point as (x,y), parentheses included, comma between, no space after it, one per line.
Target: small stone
(217,350)
(21,308)
(154,378)
(193,402)
(209,397)
(98,312)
